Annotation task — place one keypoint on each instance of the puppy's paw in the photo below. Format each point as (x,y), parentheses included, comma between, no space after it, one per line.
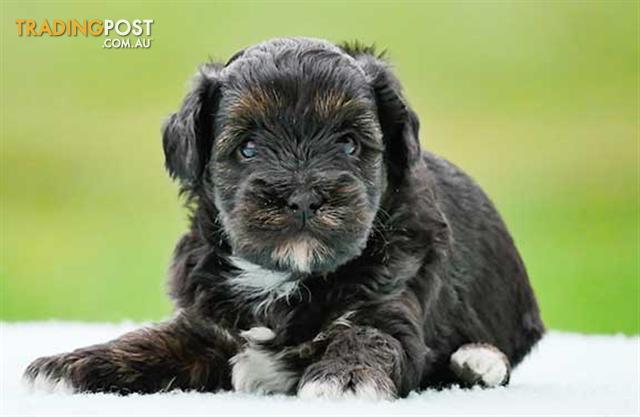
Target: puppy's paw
(334,379)
(84,370)
(480,363)
(260,369)
(50,374)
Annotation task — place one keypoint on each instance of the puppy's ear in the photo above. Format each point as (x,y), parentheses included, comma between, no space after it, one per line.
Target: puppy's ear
(400,124)
(187,135)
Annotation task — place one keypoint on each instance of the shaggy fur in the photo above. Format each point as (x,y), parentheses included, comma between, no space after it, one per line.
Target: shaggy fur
(358,262)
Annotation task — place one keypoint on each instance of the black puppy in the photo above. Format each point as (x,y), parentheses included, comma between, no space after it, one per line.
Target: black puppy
(328,255)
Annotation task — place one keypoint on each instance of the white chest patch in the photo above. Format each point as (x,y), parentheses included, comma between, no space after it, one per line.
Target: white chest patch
(261,286)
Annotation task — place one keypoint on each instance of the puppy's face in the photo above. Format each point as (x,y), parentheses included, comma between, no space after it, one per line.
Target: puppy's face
(288,140)
(297,171)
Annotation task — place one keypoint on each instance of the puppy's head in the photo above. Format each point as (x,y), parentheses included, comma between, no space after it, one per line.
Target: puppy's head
(295,141)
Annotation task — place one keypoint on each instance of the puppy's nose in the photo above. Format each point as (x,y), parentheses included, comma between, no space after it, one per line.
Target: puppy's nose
(304,205)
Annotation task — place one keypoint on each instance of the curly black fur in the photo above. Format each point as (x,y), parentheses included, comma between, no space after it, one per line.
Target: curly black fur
(405,261)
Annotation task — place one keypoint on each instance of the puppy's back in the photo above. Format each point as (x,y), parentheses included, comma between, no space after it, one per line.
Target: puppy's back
(491,299)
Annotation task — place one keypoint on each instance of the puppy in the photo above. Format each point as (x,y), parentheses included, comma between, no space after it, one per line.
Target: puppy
(328,255)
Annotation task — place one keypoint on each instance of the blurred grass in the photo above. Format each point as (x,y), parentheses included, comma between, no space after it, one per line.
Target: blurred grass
(537,100)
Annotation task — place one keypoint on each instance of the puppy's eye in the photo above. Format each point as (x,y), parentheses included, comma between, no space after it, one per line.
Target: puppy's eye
(348,146)
(248,150)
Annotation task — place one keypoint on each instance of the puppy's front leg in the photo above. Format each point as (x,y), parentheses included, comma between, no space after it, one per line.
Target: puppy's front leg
(172,355)
(369,357)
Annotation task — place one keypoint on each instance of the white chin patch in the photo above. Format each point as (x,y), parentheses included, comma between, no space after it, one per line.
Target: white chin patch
(258,370)
(299,254)
(44,383)
(480,363)
(333,390)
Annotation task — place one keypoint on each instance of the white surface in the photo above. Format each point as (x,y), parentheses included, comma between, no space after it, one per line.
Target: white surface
(568,374)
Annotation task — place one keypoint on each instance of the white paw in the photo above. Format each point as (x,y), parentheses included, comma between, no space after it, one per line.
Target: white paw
(45,383)
(337,380)
(336,391)
(257,369)
(480,363)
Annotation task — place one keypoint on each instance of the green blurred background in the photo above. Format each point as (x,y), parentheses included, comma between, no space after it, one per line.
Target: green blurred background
(537,100)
